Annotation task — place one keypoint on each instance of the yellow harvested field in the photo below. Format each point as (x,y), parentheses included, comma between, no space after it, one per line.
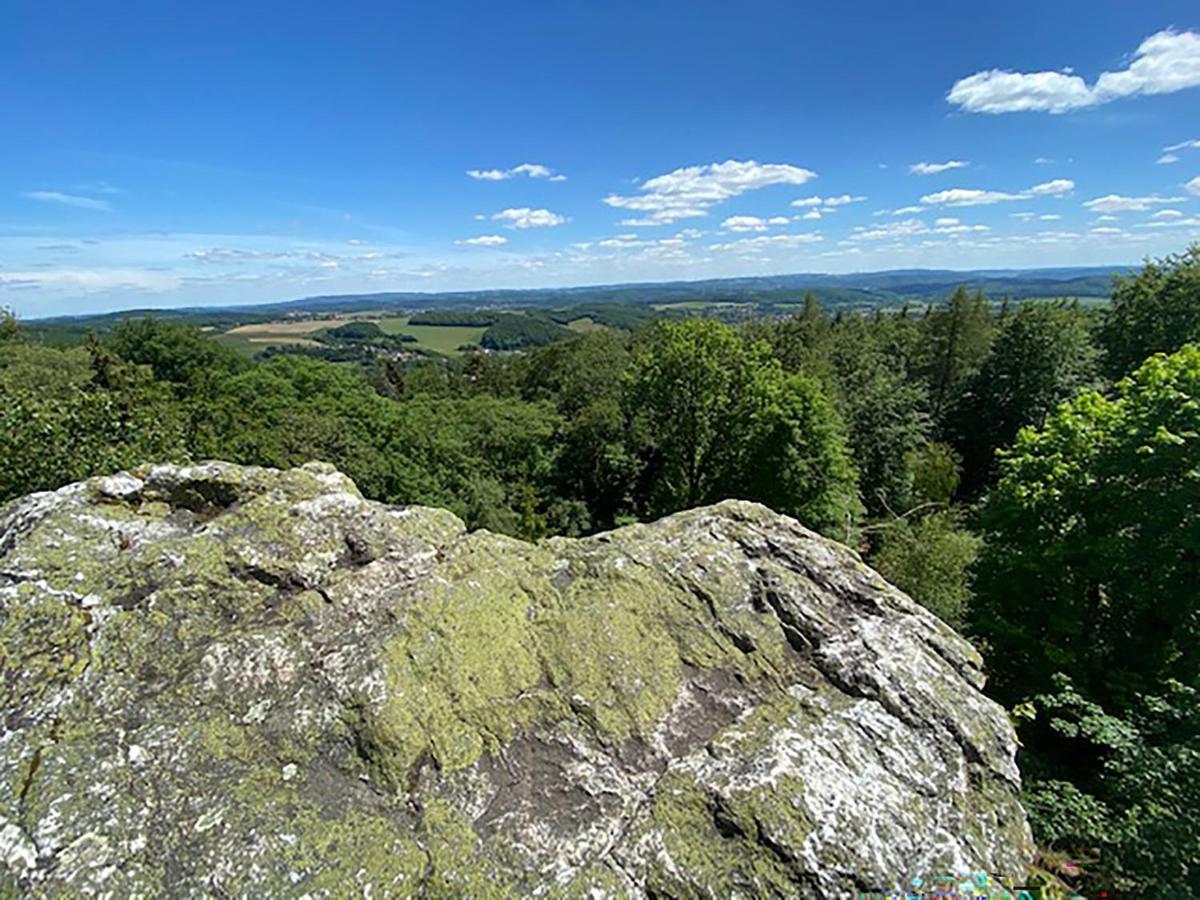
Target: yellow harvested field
(305,342)
(290,326)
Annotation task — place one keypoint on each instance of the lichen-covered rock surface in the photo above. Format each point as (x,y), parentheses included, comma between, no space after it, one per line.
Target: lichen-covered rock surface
(239,682)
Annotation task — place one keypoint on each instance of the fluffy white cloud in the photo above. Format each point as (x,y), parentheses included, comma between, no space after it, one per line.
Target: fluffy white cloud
(67,200)
(1165,62)
(890,230)
(828,203)
(691,191)
(928,168)
(1116,203)
(842,200)
(765,242)
(753,223)
(485,240)
(533,170)
(1167,158)
(1175,220)
(913,227)
(975,197)
(908,210)
(1052,188)
(1194,185)
(524,217)
(968,197)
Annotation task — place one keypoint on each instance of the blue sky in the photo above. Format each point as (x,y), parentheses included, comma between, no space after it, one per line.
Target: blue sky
(176,154)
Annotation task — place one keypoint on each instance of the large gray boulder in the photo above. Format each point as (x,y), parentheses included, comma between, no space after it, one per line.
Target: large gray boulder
(239,682)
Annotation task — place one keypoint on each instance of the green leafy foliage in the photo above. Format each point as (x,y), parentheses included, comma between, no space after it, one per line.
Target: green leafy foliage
(1042,355)
(931,559)
(1130,813)
(10,332)
(695,384)
(65,415)
(1094,517)
(957,338)
(515,332)
(180,354)
(1155,311)
(356,331)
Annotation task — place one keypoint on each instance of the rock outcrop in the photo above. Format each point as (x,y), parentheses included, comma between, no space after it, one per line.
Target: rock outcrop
(240,682)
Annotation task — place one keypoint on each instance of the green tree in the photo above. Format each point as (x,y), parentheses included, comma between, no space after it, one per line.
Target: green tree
(1155,311)
(59,424)
(714,417)
(1122,795)
(884,410)
(957,338)
(1042,355)
(10,331)
(1092,552)
(930,559)
(585,378)
(180,354)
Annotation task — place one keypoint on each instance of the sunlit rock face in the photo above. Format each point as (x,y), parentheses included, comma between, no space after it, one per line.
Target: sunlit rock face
(239,682)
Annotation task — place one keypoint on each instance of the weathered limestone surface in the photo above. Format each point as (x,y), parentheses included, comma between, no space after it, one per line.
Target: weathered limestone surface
(239,682)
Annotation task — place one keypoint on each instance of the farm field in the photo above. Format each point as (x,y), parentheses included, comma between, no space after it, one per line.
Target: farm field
(445,339)
(252,338)
(585,324)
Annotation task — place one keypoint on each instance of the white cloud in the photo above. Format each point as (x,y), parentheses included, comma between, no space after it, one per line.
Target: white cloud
(827,203)
(1194,185)
(975,197)
(961,229)
(1107,230)
(1164,63)
(691,191)
(485,240)
(533,170)
(1175,221)
(765,242)
(1167,158)
(93,280)
(1167,214)
(843,199)
(753,223)
(67,200)
(1050,217)
(968,197)
(913,227)
(1183,145)
(927,168)
(908,210)
(1052,188)
(524,217)
(1023,216)
(903,228)
(1116,203)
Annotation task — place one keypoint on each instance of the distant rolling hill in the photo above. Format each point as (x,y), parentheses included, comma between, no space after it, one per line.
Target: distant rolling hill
(857,291)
